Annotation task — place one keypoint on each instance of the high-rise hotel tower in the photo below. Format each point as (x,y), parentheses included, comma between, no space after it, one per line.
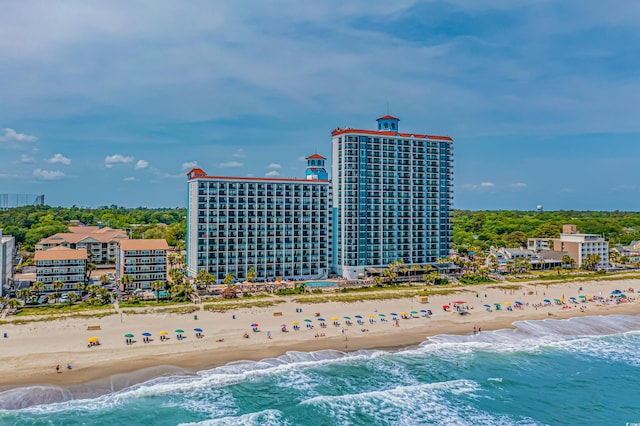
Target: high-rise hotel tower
(392,196)
(277,226)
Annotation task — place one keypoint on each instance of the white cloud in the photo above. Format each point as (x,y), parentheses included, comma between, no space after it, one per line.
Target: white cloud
(274,166)
(11,135)
(272,173)
(26,159)
(239,153)
(189,165)
(59,158)
(231,164)
(487,184)
(130,179)
(518,185)
(110,160)
(482,186)
(142,164)
(47,174)
(302,158)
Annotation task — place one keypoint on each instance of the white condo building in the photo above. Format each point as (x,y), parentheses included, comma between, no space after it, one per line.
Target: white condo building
(392,196)
(7,249)
(580,245)
(278,226)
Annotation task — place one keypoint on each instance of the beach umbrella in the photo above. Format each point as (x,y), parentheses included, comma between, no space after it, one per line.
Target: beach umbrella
(407,313)
(518,303)
(507,303)
(394,314)
(197,330)
(496,304)
(381,315)
(459,302)
(307,320)
(443,307)
(414,312)
(163,333)
(582,296)
(572,298)
(547,301)
(255,324)
(92,339)
(128,335)
(321,319)
(347,318)
(295,322)
(371,316)
(487,306)
(334,318)
(146,334)
(424,311)
(179,331)
(359,316)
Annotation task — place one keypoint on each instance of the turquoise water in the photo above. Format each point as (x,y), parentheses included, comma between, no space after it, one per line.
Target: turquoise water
(321,284)
(583,371)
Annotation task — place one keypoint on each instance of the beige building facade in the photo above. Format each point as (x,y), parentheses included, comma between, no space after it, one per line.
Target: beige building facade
(63,264)
(100,242)
(144,260)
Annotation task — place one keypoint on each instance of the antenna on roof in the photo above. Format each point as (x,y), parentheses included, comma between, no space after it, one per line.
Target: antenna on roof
(387,107)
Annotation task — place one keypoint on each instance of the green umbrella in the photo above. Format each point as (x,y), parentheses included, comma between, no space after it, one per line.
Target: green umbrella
(382,315)
(347,318)
(308,320)
(582,296)
(179,331)
(128,335)
(414,312)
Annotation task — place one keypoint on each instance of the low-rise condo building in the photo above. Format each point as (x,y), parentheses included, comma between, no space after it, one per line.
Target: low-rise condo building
(69,266)
(100,242)
(145,261)
(579,246)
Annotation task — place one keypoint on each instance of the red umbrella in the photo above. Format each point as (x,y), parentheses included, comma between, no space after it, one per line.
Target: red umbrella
(459,302)
(446,307)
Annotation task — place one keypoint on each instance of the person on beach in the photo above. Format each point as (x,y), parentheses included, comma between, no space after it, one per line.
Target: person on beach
(68,366)
(58,368)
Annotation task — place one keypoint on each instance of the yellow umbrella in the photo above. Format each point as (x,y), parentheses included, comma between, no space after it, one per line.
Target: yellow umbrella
(93,339)
(371,316)
(404,313)
(334,318)
(163,333)
(295,322)
(507,303)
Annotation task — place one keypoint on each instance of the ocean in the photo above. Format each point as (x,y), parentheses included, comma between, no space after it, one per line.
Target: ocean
(581,371)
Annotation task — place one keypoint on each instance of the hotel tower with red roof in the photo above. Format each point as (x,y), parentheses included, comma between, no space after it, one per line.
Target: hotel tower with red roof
(280,227)
(391,198)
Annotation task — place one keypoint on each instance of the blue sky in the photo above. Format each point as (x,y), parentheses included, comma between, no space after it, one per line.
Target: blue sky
(112,102)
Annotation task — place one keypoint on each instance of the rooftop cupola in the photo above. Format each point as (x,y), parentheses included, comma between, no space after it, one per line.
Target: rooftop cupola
(388,123)
(315,168)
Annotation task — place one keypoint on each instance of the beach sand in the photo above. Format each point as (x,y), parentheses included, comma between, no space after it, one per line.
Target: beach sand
(31,351)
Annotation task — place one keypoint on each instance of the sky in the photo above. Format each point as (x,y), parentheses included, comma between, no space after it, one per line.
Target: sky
(106,103)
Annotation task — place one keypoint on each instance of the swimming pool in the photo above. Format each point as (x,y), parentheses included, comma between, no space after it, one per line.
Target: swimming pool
(321,284)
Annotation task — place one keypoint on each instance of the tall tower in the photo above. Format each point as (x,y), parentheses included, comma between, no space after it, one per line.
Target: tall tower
(315,168)
(392,195)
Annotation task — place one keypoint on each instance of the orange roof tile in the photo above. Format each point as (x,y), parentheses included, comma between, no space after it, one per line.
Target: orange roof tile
(259,179)
(388,117)
(315,156)
(150,244)
(60,253)
(339,131)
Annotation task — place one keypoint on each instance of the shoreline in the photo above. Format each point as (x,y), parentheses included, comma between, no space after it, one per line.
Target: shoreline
(32,350)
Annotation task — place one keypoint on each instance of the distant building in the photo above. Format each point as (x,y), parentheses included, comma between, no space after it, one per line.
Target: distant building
(7,252)
(99,242)
(279,226)
(543,259)
(537,244)
(630,251)
(579,246)
(61,264)
(144,260)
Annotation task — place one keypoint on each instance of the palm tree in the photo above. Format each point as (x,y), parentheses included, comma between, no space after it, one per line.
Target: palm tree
(104,279)
(80,286)
(38,287)
(24,294)
(251,274)
(73,296)
(377,281)
(415,268)
(157,286)
(566,260)
(126,281)
(14,303)
(57,286)
(93,289)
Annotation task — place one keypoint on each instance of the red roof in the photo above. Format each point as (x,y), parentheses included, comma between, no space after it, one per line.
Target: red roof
(196,172)
(339,131)
(316,156)
(270,179)
(388,117)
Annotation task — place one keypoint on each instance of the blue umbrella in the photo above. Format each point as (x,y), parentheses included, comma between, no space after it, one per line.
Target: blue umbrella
(394,314)
(146,334)
(518,303)
(487,306)
(321,319)
(547,301)
(197,330)
(358,316)
(423,310)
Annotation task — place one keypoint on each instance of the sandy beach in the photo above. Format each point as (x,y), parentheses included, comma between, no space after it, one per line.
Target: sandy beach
(31,351)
